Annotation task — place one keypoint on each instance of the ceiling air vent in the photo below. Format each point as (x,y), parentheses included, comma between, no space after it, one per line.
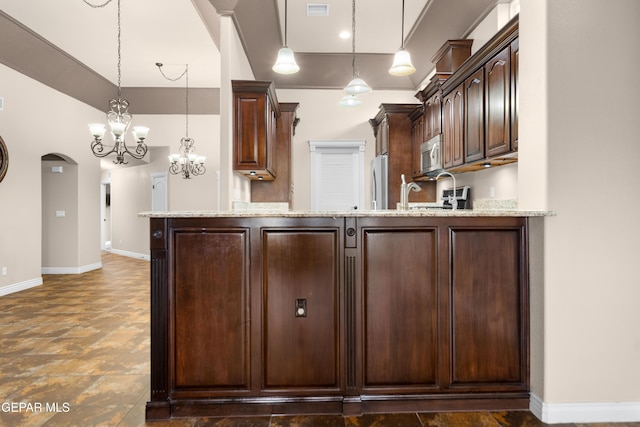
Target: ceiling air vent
(317,9)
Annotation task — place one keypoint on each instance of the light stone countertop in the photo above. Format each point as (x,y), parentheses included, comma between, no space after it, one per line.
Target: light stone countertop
(350,213)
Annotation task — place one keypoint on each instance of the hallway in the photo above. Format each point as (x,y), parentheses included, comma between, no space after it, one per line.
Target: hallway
(75,352)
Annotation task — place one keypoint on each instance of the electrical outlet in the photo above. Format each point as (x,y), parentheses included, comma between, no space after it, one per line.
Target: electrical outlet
(4,271)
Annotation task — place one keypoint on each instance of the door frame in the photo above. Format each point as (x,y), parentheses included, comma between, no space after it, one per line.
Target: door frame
(316,146)
(105,241)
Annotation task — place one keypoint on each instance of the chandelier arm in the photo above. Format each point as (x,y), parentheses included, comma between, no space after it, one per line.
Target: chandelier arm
(141,150)
(173,168)
(98,149)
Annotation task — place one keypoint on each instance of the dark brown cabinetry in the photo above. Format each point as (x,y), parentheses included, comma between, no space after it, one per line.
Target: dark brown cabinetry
(337,315)
(301,328)
(392,127)
(255,111)
(417,138)
(497,104)
(515,89)
(474,117)
(433,116)
(490,100)
(400,307)
(452,128)
(449,317)
(280,189)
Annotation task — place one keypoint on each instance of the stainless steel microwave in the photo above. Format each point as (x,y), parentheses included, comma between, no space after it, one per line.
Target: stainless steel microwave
(431,155)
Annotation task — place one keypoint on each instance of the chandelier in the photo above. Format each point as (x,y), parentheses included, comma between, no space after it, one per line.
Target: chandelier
(119,119)
(187,162)
(356,86)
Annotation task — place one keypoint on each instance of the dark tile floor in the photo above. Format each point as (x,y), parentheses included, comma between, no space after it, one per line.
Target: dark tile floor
(75,352)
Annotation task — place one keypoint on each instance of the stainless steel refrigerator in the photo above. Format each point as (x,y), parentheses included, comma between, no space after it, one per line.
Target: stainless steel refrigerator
(380,182)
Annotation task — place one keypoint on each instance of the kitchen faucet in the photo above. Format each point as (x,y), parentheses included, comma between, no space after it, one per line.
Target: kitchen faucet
(453,198)
(404,193)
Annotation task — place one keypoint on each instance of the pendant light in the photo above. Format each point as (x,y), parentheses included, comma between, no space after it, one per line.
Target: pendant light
(402,65)
(285,62)
(356,86)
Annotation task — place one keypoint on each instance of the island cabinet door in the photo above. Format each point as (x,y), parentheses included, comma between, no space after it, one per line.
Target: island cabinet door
(488,306)
(398,291)
(210,306)
(301,322)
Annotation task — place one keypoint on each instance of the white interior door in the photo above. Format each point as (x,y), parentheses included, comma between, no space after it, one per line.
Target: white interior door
(337,175)
(105,215)
(159,192)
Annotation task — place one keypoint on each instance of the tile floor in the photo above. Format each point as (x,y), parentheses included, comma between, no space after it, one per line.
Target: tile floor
(75,352)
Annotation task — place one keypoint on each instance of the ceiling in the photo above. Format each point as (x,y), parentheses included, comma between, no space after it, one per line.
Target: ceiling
(51,40)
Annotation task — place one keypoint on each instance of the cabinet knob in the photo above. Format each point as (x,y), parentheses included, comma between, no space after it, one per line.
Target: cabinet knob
(157,234)
(351,231)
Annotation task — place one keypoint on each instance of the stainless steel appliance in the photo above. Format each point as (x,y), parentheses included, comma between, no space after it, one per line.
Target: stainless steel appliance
(463,196)
(380,182)
(431,155)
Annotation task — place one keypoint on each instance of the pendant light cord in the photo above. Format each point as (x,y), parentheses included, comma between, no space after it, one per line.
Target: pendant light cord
(402,33)
(186,74)
(353,37)
(119,56)
(285,23)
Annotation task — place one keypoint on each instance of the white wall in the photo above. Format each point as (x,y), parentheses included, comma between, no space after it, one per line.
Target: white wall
(37,120)
(235,66)
(131,186)
(60,234)
(578,152)
(322,118)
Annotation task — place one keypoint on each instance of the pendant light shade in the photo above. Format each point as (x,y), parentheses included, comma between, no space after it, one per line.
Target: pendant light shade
(357,86)
(348,101)
(285,62)
(402,65)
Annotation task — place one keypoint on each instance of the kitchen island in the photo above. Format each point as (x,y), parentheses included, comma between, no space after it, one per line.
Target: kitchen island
(338,312)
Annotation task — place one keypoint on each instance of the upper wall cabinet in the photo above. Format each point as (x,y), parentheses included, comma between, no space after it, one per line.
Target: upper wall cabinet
(490,104)
(255,112)
(497,112)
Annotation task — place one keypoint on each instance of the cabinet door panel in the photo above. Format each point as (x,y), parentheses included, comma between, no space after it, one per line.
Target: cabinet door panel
(486,305)
(497,72)
(436,115)
(515,89)
(474,116)
(458,126)
(417,138)
(211,306)
(448,131)
(400,308)
(251,136)
(301,352)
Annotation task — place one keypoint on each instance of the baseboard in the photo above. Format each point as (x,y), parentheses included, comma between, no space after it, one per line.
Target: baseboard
(17,287)
(130,254)
(71,270)
(595,412)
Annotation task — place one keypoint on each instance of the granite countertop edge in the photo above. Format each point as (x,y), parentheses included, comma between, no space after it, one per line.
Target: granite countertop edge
(351,213)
